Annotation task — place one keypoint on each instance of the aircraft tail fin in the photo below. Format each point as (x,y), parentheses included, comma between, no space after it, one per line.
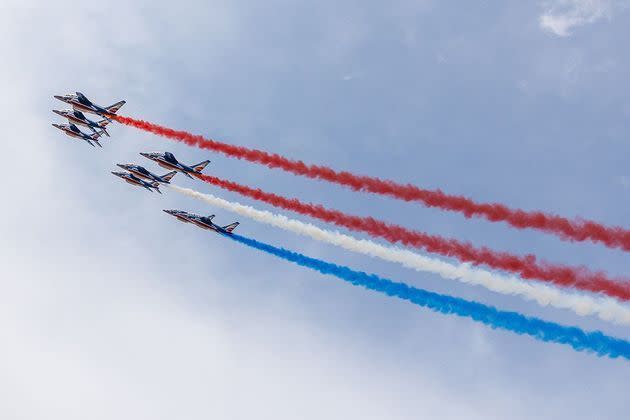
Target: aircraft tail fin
(167,177)
(115,107)
(97,143)
(199,167)
(229,228)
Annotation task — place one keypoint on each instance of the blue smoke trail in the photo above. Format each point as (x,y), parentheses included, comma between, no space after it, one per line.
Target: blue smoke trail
(595,342)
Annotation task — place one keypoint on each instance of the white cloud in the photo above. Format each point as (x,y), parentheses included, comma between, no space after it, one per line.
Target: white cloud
(98,309)
(105,302)
(562,16)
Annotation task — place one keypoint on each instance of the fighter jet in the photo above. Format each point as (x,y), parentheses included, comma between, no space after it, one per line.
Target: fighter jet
(134,180)
(140,172)
(80,103)
(168,161)
(204,222)
(73,131)
(77,117)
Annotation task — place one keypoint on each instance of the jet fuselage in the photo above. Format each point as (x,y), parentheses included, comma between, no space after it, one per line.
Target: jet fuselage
(133,180)
(201,221)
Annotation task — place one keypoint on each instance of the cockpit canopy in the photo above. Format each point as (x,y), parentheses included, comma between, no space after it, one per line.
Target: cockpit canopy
(207,219)
(169,157)
(81,98)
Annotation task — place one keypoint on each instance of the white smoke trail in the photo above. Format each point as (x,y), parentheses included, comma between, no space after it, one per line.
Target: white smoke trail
(605,308)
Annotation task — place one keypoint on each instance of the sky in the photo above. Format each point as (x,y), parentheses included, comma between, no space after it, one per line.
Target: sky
(110,308)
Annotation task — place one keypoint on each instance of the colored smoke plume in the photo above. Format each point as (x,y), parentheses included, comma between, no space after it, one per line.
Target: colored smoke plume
(528,266)
(567,229)
(580,340)
(582,304)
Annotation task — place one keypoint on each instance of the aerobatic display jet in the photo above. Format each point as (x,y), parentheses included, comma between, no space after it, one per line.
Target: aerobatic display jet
(73,131)
(134,180)
(168,161)
(141,172)
(204,222)
(81,103)
(79,118)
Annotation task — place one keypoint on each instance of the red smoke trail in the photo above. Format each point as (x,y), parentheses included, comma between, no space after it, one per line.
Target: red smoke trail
(570,230)
(528,266)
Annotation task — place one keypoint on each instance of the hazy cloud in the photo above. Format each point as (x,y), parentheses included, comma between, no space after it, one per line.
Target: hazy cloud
(562,16)
(106,302)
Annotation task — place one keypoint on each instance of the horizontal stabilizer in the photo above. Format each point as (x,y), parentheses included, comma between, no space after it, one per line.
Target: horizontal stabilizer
(156,185)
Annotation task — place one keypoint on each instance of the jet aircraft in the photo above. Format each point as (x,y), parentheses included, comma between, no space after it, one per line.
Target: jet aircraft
(168,161)
(134,180)
(141,172)
(204,222)
(79,118)
(81,103)
(73,131)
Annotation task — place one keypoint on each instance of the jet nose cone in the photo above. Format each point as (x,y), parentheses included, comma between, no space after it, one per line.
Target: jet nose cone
(56,111)
(122,166)
(146,155)
(59,97)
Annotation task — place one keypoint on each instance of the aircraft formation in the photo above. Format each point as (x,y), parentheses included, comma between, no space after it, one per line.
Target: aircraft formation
(579,289)
(76,116)
(132,173)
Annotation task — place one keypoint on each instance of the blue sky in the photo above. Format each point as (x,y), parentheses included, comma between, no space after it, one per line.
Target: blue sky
(110,307)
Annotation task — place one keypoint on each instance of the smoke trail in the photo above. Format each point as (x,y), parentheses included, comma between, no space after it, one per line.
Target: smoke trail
(527,266)
(606,308)
(567,229)
(595,342)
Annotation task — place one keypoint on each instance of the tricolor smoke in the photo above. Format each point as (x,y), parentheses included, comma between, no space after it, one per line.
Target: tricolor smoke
(528,266)
(606,308)
(577,338)
(567,229)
